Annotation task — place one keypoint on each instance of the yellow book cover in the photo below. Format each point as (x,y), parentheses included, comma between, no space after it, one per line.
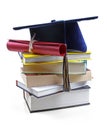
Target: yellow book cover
(30,57)
(75,67)
(79,55)
(54,62)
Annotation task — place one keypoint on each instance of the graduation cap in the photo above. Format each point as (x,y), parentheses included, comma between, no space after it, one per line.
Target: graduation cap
(67,32)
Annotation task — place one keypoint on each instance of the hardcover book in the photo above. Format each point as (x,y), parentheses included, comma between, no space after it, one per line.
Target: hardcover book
(50,89)
(34,80)
(55,67)
(76,97)
(30,57)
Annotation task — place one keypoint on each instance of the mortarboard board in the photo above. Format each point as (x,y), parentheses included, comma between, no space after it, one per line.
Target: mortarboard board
(67,32)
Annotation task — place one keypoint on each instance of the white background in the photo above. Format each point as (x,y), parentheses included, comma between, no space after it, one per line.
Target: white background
(13,111)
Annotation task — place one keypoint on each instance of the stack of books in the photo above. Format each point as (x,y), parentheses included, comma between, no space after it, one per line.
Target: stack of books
(49,81)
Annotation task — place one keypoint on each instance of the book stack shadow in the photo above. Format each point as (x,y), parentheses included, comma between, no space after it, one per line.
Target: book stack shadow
(54,72)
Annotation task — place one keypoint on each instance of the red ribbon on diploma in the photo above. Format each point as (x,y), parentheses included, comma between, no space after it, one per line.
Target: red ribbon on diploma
(48,48)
